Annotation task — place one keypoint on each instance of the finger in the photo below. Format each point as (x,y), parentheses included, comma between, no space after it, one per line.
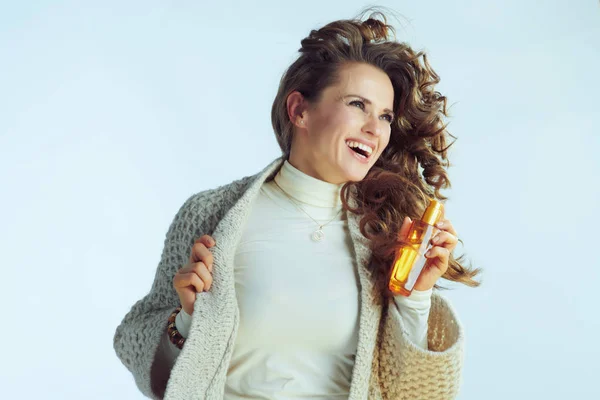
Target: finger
(447,226)
(405,228)
(190,279)
(445,239)
(201,253)
(439,257)
(202,271)
(206,240)
(189,267)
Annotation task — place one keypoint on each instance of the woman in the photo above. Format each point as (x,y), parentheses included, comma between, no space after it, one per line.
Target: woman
(275,286)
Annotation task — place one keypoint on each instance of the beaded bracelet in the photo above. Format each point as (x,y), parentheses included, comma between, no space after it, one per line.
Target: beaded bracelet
(174,335)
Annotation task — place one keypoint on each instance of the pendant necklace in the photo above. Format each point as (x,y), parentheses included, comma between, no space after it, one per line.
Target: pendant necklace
(317,235)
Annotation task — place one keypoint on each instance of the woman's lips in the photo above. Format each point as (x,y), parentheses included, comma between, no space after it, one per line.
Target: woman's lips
(362,159)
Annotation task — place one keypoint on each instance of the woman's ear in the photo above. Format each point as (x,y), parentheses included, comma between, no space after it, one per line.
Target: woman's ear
(296,109)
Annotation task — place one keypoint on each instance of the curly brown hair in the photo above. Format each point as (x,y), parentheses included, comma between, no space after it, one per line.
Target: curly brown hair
(394,187)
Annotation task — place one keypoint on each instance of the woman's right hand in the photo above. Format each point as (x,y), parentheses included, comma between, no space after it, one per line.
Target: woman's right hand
(196,275)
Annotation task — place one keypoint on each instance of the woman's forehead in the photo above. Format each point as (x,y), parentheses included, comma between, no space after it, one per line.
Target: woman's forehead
(365,81)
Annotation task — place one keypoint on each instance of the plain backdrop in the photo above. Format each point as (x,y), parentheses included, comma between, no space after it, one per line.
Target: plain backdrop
(113,113)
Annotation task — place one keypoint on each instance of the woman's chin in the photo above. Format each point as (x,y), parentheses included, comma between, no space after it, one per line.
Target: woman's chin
(355,173)
(354,168)
(347,171)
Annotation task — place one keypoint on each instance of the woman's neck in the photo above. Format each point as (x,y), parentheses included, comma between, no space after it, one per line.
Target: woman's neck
(306,189)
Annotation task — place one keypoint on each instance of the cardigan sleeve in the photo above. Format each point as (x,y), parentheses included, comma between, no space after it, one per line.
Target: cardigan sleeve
(140,341)
(406,371)
(167,351)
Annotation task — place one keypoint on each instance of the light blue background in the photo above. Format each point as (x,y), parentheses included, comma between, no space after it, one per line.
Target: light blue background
(113,113)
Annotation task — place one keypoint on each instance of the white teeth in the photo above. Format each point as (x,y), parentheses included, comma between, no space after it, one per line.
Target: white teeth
(361,146)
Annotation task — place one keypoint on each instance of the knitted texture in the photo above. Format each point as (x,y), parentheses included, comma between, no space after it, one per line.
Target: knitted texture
(387,364)
(407,372)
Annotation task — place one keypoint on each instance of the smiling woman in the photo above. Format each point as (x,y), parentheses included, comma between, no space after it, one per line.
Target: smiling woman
(354,84)
(275,286)
(349,122)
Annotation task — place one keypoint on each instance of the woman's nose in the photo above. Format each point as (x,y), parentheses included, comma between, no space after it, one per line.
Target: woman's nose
(373,126)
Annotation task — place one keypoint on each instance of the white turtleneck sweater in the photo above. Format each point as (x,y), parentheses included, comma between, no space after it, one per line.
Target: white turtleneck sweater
(299,299)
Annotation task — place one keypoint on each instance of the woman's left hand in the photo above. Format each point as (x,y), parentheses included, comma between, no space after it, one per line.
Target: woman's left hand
(438,256)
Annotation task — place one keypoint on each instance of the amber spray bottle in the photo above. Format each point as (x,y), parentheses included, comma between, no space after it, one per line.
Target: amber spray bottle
(410,259)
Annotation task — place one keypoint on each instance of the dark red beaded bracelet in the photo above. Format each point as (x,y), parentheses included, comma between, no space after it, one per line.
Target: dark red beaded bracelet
(174,335)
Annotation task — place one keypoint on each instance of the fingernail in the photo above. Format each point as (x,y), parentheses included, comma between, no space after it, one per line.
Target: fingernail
(428,253)
(440,224)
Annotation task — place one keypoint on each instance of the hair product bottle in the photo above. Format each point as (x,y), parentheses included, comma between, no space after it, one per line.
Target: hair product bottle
(410,259)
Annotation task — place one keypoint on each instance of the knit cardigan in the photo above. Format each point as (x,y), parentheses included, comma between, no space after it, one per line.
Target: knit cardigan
(387,364)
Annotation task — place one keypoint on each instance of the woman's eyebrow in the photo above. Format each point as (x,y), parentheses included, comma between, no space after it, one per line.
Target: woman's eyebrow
(367,101)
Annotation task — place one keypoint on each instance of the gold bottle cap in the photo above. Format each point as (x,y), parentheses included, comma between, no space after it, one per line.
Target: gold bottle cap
(433,213)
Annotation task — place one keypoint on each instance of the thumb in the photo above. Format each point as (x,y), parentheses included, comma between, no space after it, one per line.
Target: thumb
(405,228)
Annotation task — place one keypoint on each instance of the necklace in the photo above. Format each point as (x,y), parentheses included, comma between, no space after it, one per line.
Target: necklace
(317,235)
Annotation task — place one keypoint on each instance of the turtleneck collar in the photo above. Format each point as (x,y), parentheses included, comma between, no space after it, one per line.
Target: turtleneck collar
(304,188)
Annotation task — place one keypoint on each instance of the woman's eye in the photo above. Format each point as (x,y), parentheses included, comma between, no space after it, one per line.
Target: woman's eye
(360,103)
(389,118)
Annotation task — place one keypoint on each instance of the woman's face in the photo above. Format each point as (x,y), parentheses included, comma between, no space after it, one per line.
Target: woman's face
(358,109)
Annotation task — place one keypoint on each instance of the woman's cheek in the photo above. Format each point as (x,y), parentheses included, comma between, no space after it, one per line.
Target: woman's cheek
(381,148)
(385,142)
